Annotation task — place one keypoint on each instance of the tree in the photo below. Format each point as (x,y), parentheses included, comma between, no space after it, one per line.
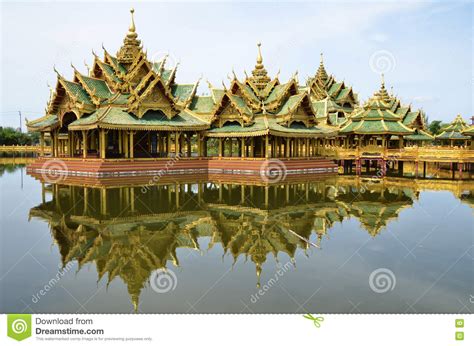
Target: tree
(435,127)
(10,136)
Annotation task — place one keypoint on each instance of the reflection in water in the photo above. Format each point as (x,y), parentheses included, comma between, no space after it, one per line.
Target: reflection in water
(129,233)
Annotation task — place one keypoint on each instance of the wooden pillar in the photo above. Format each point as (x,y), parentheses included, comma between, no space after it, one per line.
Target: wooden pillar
(86,200)
(266,147)
(103,201)
(84,144)
(132,144)
(125,144)
(199,144)
(120,144)
(220,147)
(252,147)
(132,199)
(188,140)
(176,144)
(42,144)
(102,143)
(242,146)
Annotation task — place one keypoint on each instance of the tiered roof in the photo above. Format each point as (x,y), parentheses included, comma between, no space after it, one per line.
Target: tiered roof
(456,130)
(414,119)
(376,118)
(334,100)
(122,92)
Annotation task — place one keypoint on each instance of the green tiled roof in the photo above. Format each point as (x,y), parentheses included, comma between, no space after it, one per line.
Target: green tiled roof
(454,130)
(240,103)
(217,94)
(202,104)
(182,91)
(118,65)
(77,90)
(410,118)
(276,93)
(469,131)
(375,118)
(118,99)
(292,102)
(46,121)
(344,92)
(112,117)
(319,108)
(110,72)
(166,74)
(334,88)
(451,135)
(263,126)
(98,87)
(420,135)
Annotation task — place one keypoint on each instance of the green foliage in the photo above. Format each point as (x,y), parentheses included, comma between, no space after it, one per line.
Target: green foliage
(10,136)
(435,127)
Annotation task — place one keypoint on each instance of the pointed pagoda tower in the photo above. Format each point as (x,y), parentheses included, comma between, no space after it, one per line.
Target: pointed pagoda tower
(454,133)
(375,122)
(259,77)
(131,47)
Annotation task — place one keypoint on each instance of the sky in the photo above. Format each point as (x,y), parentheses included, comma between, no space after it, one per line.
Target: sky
(425,49)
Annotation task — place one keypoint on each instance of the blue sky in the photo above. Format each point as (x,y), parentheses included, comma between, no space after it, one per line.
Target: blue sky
(425,48)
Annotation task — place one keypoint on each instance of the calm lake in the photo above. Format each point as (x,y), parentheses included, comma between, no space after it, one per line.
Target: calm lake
(338,244)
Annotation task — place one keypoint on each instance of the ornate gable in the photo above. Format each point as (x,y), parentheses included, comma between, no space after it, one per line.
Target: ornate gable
(152,96)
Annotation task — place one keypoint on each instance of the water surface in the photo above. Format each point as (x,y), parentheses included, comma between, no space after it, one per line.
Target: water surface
(306,246)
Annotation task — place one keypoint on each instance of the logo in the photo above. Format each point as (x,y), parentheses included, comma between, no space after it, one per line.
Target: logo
(163,281)
(19,326)
(382,280)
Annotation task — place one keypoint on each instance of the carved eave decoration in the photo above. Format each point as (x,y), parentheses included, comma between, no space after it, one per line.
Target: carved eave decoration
(237,88)
(98,71)
(190,98)
(172,76)
(301,111)
(62,102)
(110,60)
(228,111)
(78,78)
(156,96)
(269,88)
(290,89)
(140,70)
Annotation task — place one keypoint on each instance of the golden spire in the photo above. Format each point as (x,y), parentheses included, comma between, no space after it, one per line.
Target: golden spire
(131,45)
(259,56)
(382,93)
(259,74)
(131,28)
(321,74)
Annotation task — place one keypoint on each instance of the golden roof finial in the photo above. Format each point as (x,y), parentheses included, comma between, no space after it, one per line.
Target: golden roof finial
(383,80)
(132,24)
(259,56)
(321,59)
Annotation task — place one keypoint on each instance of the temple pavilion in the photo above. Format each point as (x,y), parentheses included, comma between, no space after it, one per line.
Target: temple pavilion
(456,133)
(375,123)
(130,107)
